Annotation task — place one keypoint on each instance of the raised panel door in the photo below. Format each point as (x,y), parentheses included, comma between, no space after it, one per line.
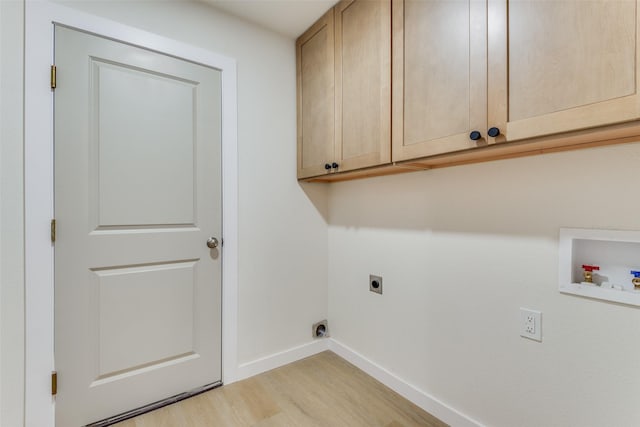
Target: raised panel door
(137,194)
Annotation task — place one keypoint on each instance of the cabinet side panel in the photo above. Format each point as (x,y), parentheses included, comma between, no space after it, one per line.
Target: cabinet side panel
(578,53)
(436,38)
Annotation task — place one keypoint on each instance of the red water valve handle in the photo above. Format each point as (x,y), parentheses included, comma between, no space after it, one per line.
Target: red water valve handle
(590,267)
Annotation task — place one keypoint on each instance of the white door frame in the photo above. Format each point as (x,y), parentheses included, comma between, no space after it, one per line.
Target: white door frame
(38,182)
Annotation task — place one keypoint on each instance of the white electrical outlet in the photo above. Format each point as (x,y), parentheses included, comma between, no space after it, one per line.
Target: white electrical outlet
(530,324)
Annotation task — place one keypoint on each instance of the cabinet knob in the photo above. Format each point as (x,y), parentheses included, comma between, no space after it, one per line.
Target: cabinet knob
(493,132)
(327,166)
(475,135)
(334,165)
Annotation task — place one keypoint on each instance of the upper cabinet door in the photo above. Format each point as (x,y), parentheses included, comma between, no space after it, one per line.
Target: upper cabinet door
(439,76)
(562,65)
(363,83)
(316,111)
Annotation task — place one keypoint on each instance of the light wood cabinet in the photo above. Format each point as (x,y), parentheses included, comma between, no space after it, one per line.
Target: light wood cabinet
(357,92)
(439,76)
(363,83)
(527,68)
(316,97)
(558,66)
(544,76)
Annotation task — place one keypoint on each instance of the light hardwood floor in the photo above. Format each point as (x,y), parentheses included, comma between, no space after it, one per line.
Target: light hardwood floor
(322,390)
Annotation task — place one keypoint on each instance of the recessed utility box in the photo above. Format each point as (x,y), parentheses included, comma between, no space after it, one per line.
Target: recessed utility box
(320,329)
(609,257)
(375,284)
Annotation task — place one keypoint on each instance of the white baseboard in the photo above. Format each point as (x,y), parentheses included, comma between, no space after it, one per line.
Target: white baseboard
(282,358)
(406,390)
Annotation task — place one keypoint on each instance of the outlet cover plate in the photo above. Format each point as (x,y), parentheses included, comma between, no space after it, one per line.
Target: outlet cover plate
(375,284)
(531,324)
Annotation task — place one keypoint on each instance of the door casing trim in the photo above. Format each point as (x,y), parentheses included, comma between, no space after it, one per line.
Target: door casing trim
(40,16)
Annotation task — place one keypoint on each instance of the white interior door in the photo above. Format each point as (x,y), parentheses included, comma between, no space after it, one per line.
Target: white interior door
(137,195)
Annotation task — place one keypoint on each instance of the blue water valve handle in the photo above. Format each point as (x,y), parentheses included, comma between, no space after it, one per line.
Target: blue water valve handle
(635,273)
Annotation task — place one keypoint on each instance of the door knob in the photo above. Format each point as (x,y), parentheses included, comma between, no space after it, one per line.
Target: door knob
(212,242)
(327,166)
(475,135)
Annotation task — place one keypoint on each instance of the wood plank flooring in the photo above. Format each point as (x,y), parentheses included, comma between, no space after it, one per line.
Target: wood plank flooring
(322,390)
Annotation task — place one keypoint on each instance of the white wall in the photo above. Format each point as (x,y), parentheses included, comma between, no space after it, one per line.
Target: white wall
(11,216)
(460,250)
(283,237)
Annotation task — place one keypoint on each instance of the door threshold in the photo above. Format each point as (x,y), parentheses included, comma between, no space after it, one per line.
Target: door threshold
(153,406)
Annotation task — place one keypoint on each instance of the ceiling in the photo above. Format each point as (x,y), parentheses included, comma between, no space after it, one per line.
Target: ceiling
(288,17)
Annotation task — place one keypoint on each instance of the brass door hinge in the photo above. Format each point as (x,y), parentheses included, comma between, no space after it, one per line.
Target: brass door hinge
(54,383)
(53,230)
(53,77)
